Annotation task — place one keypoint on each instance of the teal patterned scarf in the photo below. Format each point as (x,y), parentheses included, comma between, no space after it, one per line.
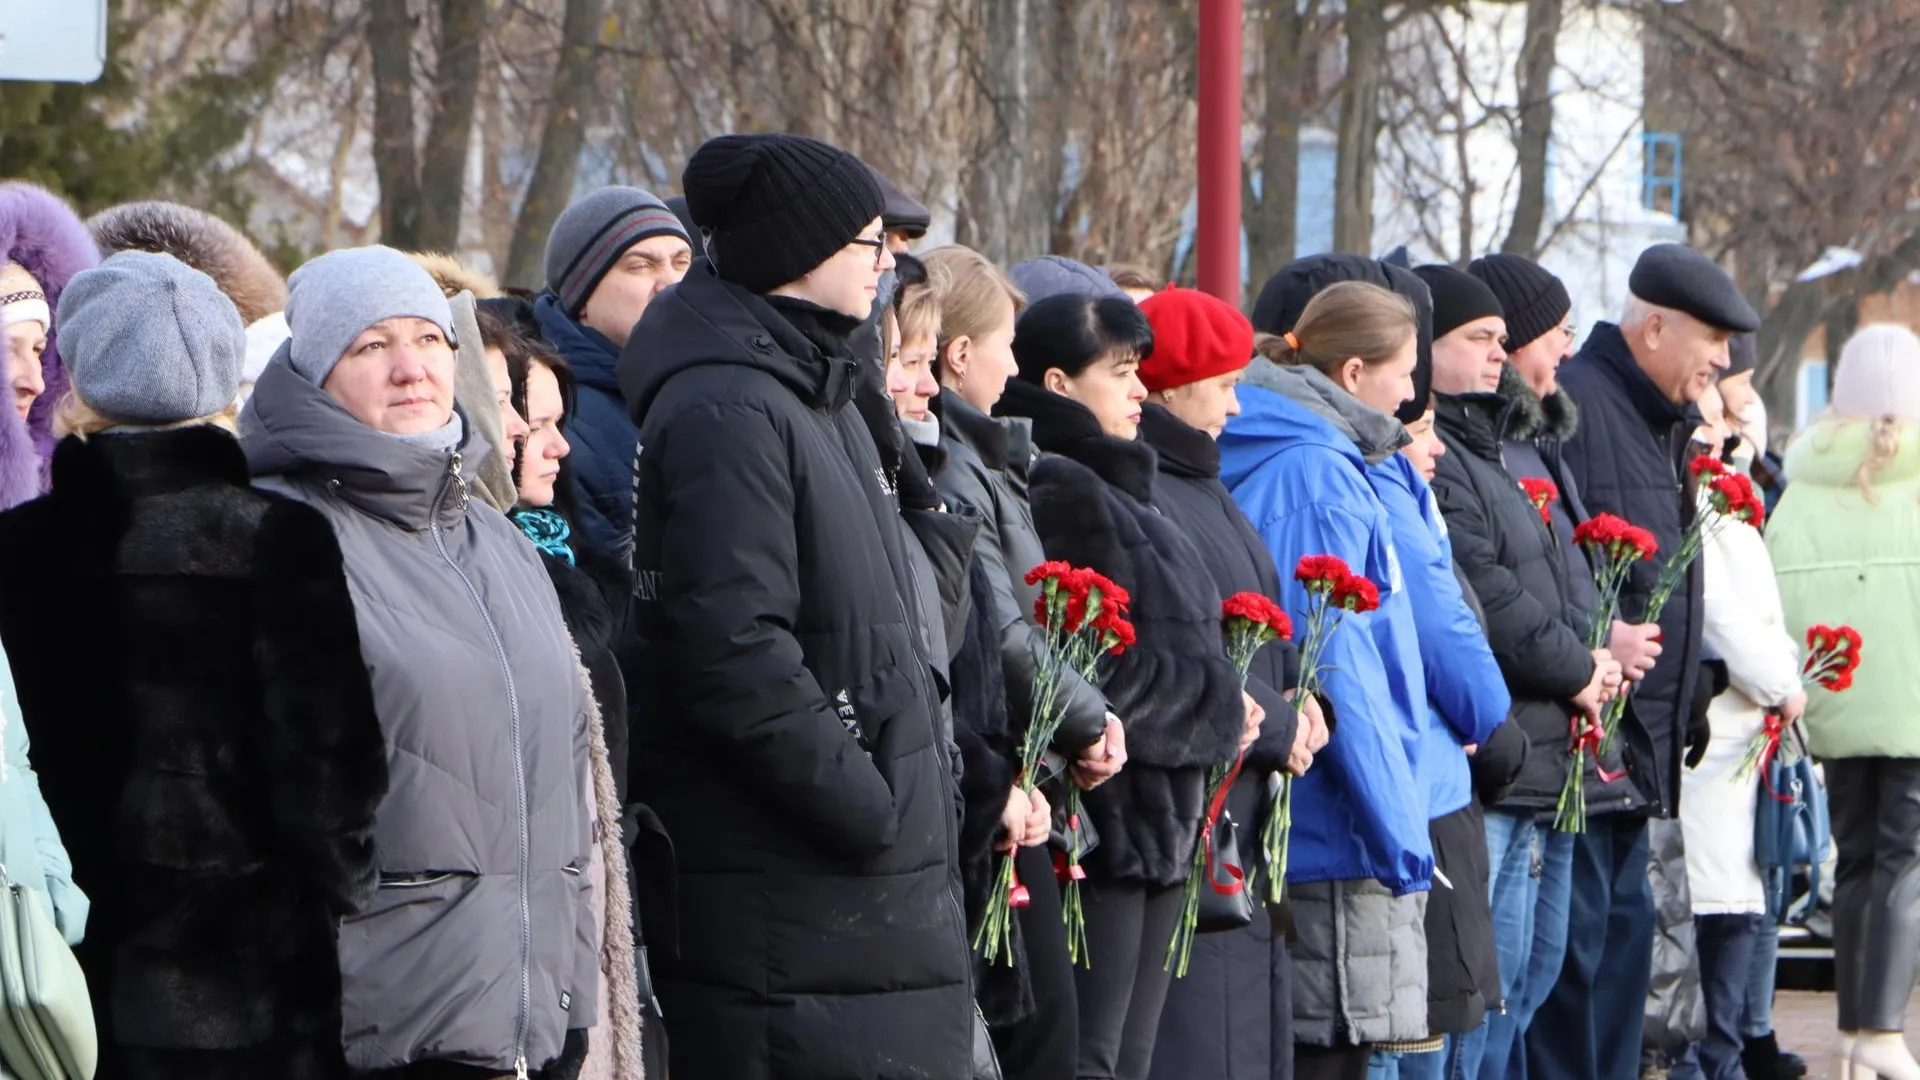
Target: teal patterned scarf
(548,531)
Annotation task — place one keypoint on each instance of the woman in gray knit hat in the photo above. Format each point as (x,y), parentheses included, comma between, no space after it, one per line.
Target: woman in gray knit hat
(202,721)
(477,950)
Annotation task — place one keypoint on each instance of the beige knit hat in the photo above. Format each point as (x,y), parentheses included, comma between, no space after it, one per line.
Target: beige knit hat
(1879,374)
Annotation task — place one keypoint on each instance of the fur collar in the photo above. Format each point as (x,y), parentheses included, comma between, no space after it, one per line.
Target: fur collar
(1063,426)
(1184,450)
(1555,417)
(133,464)
(1375,434)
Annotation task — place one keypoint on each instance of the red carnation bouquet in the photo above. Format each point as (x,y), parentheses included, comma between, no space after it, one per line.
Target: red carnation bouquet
(1833,655)
(1542,493)
(1251,620)
(1613,545)
(1724,499)
(1333,591)
(1085,618)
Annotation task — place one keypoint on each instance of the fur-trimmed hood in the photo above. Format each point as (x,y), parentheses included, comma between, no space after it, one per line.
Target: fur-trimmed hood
(203,242)
(41,232)
(455,277)
(1554,417)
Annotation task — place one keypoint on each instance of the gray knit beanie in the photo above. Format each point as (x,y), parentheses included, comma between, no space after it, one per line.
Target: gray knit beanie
(149,340)
(333,298)
(591,235)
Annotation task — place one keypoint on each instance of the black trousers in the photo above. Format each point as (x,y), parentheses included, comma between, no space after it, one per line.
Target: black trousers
(1875,804)
(1129,926)
(1045,1045)
(1330,1062)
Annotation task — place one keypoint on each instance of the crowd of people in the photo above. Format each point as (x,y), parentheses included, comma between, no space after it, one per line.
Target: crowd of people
(430,680)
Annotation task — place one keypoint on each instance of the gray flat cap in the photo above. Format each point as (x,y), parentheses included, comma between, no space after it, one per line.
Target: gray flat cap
(1676,276)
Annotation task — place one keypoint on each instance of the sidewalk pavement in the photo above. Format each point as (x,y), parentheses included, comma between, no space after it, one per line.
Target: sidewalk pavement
(1803,1021)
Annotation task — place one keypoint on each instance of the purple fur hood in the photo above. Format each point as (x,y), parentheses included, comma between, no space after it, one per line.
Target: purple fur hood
(41,232)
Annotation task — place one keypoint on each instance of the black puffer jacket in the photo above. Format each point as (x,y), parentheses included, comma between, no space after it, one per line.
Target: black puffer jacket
(788,736)
(1175,691)
(1521,576)
(1627,458)
(1213,1024)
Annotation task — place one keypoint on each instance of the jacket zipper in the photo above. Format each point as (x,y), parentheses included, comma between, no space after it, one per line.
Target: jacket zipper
(455,481)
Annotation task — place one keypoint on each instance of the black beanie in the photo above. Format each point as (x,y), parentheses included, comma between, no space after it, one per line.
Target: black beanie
(1458,298)
(1534,300)
(1286,293)
(1743,351)
(773,207)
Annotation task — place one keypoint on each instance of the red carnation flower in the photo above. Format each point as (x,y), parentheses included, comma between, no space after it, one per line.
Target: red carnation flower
(1050,569)
(1542,493)
(1356,593)
(1707,465)
(1121,634)
(1321,570)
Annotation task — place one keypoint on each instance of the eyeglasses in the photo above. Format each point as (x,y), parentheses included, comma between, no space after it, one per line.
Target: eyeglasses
(879,249)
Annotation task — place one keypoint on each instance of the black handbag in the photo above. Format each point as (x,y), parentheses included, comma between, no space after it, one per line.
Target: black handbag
(1225,901)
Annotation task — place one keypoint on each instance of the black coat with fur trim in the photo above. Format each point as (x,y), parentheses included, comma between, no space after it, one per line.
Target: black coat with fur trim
(189,667)
(1175,691)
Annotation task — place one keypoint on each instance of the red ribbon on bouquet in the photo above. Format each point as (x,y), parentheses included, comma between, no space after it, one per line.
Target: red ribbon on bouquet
(1588,738)
(1065,869)
(1214,810)
(1772,730)
(1017,894)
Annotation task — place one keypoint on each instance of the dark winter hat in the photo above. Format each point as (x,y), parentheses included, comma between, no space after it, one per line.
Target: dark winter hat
(1744,352)
(1055,275)
(903,212)
(1286,293)
(1408,284)
(1676,276)
(1195,337)
(592,234)
(1458,298)
(678,204)
(151,340)
(1534,300)
(773,207)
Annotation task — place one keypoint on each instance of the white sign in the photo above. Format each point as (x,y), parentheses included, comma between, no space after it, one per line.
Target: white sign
(53,40)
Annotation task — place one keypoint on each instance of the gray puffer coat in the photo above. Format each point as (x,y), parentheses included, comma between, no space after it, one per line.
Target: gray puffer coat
(479,946)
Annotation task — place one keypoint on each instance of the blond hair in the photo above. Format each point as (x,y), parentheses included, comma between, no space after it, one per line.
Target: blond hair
(967,288)
(75,417)
(918,308)
(1348,320)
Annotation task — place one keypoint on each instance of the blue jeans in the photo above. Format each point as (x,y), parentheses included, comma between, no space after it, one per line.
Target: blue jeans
(1514,859)
(1592,1018)
(1506,1054)
(1725,944)
(1758,1023)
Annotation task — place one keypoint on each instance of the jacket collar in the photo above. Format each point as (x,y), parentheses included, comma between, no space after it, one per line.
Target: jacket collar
(137,463)
(705,320)
(1554,417)
(291,427)
(591,354)
(1473,420)
(1375,434)
(986,436)
(1609,348)
(1063,426)
(1184,450)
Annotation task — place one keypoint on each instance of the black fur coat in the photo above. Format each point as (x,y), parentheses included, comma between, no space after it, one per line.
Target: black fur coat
(1175,692)
(189,668)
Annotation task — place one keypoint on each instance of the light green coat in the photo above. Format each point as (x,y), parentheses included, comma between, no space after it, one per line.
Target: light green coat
(30,847)
(1842,559)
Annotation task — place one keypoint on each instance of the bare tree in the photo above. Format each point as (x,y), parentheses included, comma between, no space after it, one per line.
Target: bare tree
(1366,32)
(422,188)
(1534,76)
(562,137)
(1292,38)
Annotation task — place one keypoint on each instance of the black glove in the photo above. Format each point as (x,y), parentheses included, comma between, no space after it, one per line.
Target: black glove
(1713,682)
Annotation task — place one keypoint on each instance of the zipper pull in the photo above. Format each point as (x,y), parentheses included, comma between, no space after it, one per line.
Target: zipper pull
(520,1067)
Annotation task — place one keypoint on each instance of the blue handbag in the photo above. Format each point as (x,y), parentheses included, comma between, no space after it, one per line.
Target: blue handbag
(1791,830)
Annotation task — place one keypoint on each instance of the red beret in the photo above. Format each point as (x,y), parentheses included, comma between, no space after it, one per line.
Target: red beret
(1195,336)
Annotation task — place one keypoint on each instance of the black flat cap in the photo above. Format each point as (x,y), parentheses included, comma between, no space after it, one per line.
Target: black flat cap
(902,212)
(1676,276)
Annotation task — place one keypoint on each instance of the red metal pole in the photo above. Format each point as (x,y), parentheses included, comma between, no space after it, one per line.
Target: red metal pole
(1218,234)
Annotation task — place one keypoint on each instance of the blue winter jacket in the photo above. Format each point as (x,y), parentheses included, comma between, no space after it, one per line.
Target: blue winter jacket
(599,428)
(30,846)
(1466,696)
(1302,481)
